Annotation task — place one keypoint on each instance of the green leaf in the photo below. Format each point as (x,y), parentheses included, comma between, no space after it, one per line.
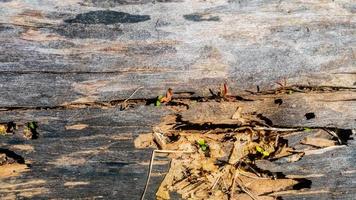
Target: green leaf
(265,153)
(262,151)
(203,146)
(259,149)
(201,142)
(158,101)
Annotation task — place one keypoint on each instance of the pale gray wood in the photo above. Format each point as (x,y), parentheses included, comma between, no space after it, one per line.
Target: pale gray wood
(54,53)
(330,109)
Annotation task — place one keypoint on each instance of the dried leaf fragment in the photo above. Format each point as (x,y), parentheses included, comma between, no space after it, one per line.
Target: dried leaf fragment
(164,99)
(168,96)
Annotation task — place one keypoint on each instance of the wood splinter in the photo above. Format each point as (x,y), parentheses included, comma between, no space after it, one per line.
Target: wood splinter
(151,164)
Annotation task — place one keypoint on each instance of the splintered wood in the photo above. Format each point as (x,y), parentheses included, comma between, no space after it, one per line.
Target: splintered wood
(221,163)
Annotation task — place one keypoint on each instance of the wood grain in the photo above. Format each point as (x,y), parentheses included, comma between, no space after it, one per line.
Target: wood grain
(54,53)
(327,109)
(57,53)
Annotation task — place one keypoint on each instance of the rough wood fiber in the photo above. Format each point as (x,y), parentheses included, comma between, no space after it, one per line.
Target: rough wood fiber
(98,160)
(90,153)
(59,52)
(56,52)
(326,109)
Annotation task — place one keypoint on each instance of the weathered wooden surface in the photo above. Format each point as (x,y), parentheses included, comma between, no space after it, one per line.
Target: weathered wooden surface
(327,109)
(332,174)
(98,160)
(55,53)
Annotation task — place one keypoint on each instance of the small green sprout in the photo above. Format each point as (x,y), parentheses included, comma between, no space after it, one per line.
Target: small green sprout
(203,146)
(158,101)
(262,151)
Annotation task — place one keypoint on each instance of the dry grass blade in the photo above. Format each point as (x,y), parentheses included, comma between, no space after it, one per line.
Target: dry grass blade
(124,104)
(332,133)
(276,129)
(276,141)
(233,184)
(149,175)
(215,182)
(252,169)
(151,165)
(254,177)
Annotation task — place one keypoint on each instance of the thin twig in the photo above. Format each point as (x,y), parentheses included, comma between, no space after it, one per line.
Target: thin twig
(258,174)
(332,133)
(172,151)
(275,129)
(233,184)
(195,187)
(224,184)
(124,105)
(215,182)
(243,128)
(151,165)
(254,177)
(149,175)
(276,141)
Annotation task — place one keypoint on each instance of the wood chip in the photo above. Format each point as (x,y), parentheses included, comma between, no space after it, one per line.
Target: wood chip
(318,142)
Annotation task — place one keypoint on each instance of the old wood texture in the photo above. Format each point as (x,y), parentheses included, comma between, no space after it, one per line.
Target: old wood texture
(67,64)
(54,53)
(82,153)
(326,109)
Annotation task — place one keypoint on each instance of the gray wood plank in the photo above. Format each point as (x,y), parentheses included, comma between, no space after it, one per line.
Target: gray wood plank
(326,109)
(54,53)
(96,161)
